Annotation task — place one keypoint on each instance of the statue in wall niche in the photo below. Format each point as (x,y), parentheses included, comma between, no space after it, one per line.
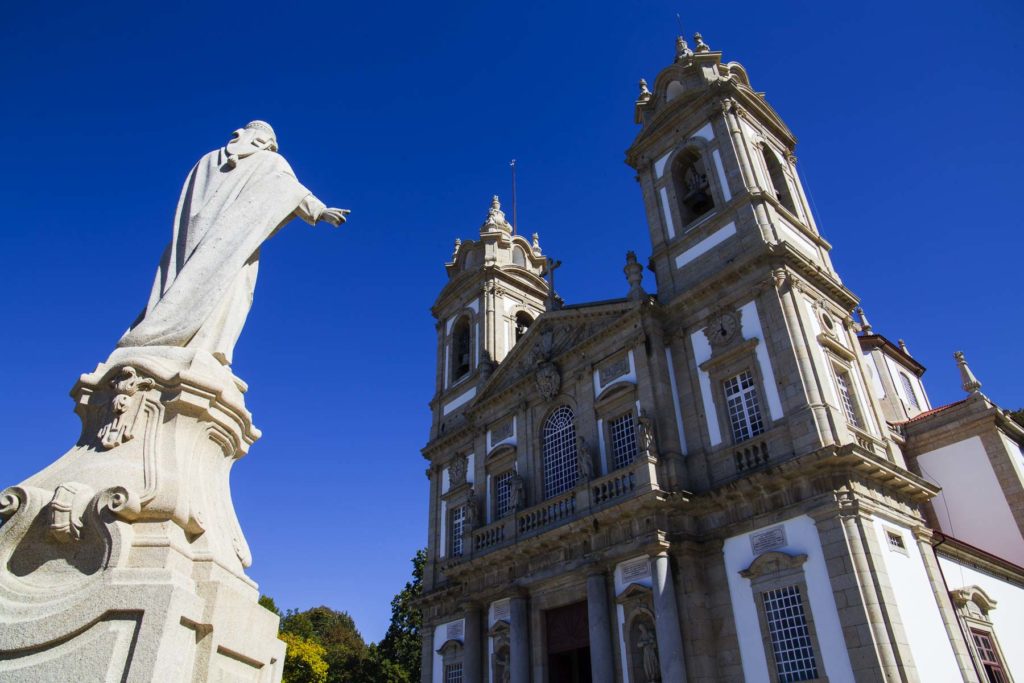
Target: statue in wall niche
(647,643)
(471,511)
(645,436)
(234,199)
(518,499)
(584,460)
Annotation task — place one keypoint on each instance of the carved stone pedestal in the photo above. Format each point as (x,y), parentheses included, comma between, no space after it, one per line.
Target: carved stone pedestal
(124,560)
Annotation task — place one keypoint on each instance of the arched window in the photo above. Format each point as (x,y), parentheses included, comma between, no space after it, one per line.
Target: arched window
(518,257)
(777,177)
(523,322)
(460,348)
(693,192)
(560,469)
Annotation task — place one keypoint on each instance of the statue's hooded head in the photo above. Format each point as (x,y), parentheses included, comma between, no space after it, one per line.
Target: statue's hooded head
(255,137)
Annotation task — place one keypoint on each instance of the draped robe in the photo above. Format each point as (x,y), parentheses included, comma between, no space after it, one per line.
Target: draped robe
(204,285)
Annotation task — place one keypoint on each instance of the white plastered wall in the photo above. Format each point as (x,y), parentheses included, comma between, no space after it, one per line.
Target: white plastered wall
(922,622)
(801,539)
(441,636)
(972,506)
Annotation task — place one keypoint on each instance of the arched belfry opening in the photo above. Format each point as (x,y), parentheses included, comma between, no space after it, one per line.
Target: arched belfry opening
(460,348)
(523,322)
(693,191)
(777,177)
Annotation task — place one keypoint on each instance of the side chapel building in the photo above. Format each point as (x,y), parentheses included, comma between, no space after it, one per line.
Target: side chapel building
(729,479)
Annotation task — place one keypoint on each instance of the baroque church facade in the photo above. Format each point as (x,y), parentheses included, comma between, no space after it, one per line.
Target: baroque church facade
(730,478)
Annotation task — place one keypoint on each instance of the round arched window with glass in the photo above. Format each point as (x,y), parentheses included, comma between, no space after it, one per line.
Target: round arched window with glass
(560,470)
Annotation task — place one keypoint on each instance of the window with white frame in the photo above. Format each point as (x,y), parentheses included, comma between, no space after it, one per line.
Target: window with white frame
(743,406)
(559,456)
(622,431)
(457,527)
(908,389)
(503,494)
(847,397)
(790,636)
(453,673)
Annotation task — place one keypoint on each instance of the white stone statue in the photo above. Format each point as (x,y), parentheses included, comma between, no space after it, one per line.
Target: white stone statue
(648,644)
(233,200)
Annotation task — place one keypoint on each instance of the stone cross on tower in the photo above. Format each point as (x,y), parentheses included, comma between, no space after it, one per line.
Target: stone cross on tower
(553,301)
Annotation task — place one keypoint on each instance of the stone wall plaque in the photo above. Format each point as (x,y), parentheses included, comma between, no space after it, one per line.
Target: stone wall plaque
(771,538)
(613,370)
(636,569)
(455,630)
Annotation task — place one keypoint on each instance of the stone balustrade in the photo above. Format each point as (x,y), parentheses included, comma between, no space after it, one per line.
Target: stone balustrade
(584,499)
(618,484)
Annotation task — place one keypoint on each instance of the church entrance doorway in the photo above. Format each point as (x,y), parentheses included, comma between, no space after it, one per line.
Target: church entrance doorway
(568,644)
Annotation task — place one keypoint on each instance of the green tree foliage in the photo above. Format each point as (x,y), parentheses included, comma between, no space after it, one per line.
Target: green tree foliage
(337,633)
(304,662)
(401,643)
(324,645)
(268,602)
(1018,416)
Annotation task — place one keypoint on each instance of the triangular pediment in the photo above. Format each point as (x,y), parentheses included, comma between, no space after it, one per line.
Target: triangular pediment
(549,338)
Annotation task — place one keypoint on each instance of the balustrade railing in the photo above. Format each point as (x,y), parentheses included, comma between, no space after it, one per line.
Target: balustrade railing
(616,485)
(547,513)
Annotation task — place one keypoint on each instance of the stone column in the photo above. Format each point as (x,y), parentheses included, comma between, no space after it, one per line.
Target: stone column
(471,643)
(666,614)
(427,654)
(601,661)
(924,538)
(519,641)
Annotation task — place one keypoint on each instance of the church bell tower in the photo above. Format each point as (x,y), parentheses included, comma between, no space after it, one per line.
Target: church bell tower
(495,290)
(745,275)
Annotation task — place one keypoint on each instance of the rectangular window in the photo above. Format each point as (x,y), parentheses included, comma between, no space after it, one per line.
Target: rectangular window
(453,673)
(623,433)
(790,636)
(743,406)
(503,494)
(989,657)
(896,541)
(908,389)
(458,523)
(846,397)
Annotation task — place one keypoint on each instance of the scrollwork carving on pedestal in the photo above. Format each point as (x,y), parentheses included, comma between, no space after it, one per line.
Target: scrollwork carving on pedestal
(129,388)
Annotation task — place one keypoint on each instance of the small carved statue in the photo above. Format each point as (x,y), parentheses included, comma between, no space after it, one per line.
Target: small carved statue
(518,492)
(647,643)
(645,436)
(471,510)
(584,461)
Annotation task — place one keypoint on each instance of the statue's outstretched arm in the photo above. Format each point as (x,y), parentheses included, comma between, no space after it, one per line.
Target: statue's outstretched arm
(312,210)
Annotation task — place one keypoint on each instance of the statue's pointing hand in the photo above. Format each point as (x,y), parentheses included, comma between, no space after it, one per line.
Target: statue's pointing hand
(335,216)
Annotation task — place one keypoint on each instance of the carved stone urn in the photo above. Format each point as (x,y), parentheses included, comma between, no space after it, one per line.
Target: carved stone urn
(124,560)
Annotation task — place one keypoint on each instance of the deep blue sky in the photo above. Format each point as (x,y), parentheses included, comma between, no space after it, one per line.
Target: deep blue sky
(908,115)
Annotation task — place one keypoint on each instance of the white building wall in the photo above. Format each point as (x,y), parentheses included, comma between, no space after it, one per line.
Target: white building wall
(922,622)
(972,506)
(801,539)
(1008,616)
(453,630)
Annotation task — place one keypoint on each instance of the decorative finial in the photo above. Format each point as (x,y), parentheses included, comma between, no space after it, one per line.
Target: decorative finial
(634,276)
(969,382)
(495,218)
(699,43)
(458,245)
(865,326)
(683,51)
(536,243)
(903,347)
(644,92)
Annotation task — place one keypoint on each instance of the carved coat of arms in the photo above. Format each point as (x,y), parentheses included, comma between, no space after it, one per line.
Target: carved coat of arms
(548,379)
